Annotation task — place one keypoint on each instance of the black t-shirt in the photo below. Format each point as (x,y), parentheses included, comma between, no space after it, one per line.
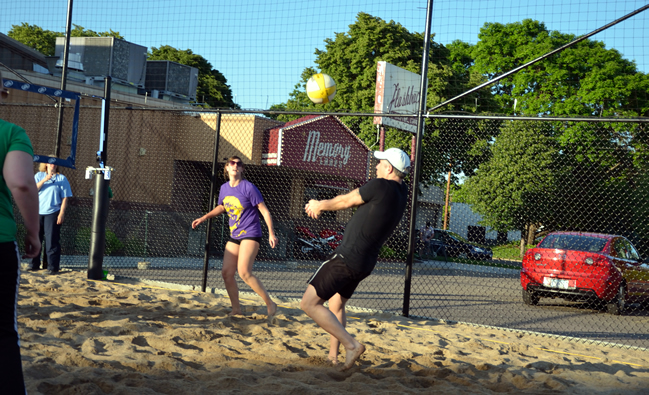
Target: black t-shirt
(373,222)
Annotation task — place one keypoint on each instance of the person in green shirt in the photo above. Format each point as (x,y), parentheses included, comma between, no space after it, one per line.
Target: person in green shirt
(17,180)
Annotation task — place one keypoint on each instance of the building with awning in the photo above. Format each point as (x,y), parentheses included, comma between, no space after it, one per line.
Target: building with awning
(323,157)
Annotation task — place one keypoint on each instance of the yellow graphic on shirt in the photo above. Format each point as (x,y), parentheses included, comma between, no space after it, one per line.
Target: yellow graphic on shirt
(234,208)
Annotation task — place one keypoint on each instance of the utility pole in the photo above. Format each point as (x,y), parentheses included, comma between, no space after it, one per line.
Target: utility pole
(448,200)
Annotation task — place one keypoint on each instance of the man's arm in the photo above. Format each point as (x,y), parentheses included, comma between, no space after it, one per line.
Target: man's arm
(17,172)
(340,202)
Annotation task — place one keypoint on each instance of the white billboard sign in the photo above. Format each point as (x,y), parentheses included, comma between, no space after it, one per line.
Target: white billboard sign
(397,92)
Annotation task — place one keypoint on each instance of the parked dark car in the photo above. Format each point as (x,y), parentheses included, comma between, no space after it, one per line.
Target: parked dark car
(603,268)
(447,243)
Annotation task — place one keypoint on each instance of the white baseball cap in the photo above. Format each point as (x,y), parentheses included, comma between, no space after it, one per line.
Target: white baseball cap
(397,158)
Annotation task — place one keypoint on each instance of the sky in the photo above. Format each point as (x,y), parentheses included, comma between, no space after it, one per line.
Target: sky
(262,47)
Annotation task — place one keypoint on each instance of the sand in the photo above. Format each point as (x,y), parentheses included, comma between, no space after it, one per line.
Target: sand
(101,337)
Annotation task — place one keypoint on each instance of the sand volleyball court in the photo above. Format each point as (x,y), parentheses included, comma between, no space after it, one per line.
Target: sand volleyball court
(102,337)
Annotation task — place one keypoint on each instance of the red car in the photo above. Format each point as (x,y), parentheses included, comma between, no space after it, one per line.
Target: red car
(585,266)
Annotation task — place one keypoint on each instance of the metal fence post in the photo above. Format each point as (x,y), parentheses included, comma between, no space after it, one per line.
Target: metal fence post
(208,232)
(421,123)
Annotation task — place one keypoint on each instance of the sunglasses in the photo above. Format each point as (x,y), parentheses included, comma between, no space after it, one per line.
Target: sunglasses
(235,163)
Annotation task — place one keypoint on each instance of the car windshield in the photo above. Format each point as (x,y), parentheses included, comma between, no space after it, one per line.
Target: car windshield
(574,243)
(456,236)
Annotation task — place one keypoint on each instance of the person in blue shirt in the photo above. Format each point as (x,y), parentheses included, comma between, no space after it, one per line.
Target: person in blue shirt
(53,193)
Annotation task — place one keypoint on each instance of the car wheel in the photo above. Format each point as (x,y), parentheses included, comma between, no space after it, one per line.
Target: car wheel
(463,255)
(530,298)
(616,306)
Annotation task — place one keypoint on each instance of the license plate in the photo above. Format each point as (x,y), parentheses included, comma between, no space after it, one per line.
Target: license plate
(559,283)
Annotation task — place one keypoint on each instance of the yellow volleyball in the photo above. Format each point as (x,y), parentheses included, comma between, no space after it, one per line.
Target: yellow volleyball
(321,88)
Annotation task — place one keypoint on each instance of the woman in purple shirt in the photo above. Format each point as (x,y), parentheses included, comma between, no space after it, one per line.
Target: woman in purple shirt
(243,202)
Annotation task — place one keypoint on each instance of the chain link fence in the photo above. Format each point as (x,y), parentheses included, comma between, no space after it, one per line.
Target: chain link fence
(546,230)
(495,192)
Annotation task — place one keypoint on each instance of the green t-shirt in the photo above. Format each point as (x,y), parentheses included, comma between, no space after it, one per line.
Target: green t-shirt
(12,138)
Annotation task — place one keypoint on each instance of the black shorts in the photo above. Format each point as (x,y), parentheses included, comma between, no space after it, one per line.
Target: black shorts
(335,277)
(238,241)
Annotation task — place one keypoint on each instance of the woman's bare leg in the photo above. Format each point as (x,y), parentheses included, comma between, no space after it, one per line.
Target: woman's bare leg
(230,259)
(248,250)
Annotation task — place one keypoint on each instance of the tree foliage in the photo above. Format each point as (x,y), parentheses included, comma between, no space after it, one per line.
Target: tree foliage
(44,40)
(586,79)
(213,89)
(586,177)
(351,57)
(511,189)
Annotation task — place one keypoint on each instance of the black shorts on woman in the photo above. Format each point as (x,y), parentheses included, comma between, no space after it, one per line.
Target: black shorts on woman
(238,241)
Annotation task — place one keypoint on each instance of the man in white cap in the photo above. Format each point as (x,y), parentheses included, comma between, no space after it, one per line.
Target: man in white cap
(381,203)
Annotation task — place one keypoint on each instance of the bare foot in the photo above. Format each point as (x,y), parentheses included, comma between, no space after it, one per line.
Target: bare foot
(352,355)
(235,313)
(272,309)
(333,360)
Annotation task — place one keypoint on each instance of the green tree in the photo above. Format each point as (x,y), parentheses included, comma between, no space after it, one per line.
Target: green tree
(597,165)
(585,79)
(80,31)
(350,58)
(511,189)
(35,37)
(212,85)
(44,40)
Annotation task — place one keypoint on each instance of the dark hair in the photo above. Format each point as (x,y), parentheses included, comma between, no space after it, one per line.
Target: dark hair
(227,162)
(398,172)
(427,223)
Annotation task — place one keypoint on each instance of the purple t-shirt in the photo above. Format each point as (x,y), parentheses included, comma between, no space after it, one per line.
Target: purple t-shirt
(240,204)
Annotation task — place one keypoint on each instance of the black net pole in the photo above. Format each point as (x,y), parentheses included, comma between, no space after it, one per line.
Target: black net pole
(98,234)
(64,76)
(421,123)
(213,185)
(100,200)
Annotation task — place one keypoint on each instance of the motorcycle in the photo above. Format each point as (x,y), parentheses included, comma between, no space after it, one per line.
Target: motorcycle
(308,245)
